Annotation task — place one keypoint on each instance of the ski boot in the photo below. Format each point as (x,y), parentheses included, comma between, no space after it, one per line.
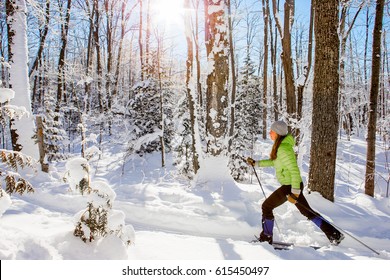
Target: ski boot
(266,234)
(334,236)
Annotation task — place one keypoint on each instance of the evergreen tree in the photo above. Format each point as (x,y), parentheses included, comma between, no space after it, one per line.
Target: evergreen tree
(248,117)
(146,126)
(182,150)
(54,134)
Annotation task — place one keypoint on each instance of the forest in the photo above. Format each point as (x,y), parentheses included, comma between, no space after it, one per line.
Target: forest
(198,81)
(124,122)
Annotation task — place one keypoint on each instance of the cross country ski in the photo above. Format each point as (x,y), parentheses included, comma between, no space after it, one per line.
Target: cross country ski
(280,245)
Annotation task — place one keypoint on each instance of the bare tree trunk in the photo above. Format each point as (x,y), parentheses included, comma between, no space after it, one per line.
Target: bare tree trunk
(88,68)
(109,6)
(274,43)
(217,44)
(197,57)
(124,20)
(162,142)
(41,145)
(42,38)
(98,58)
(266,14)
(386,83)
(147,41)
(372,116)
(233,74)
(140,42)
(325,99)
(285,33)
(61,61)
(367,25)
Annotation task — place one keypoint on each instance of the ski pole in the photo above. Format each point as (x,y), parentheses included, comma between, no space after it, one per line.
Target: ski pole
(347,233)
(258,180)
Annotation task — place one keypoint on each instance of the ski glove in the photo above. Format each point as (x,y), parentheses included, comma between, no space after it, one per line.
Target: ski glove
(251,161)
(293,198)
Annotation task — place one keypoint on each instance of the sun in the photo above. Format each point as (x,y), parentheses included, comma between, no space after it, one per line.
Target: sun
(168,12)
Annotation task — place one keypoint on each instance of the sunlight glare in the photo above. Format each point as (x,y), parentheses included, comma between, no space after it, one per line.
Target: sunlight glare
(169,12)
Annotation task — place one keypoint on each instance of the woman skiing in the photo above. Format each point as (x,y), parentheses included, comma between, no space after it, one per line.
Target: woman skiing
(283,159)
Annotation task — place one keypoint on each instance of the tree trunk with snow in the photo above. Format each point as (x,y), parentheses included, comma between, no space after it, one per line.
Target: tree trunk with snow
(285,33)
(22,130)
(325,99)
(191,93)
(217,48)
(372,114)
(233,75)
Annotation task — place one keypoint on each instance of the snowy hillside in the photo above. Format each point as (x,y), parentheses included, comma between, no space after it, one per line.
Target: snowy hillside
(214,220)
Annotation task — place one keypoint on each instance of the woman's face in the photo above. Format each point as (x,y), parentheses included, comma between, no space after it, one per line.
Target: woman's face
(273,135)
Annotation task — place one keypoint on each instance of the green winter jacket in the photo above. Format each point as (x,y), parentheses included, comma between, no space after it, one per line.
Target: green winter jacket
(285,164)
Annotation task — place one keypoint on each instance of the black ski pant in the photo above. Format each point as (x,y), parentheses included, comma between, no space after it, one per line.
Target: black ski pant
(279,197)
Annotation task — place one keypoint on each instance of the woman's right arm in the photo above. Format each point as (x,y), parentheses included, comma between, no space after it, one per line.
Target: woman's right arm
(265,163)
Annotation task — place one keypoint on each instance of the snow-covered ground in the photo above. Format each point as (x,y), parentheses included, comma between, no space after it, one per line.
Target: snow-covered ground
(214,220)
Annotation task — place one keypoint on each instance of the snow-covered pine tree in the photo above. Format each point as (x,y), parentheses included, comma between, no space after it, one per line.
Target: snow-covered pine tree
(144,109)
(247,119)
(54,134)
(98,219)
(182,150)
(169,103)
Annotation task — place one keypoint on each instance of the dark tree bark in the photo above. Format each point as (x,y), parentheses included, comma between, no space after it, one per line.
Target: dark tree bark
(285,34)
(325,99)
(266,14)
(372,114)
(42,38)
(233,74)
(140,42)
(61,60)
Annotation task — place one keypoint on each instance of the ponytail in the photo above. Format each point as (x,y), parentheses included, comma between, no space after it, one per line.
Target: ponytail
(275,147)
